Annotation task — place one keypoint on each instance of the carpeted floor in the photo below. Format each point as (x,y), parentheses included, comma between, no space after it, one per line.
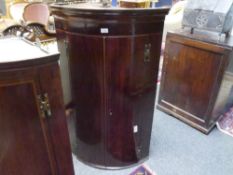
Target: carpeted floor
(177,149)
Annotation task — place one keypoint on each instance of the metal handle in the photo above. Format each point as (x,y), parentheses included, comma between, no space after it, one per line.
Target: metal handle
(147,53)
(44,105)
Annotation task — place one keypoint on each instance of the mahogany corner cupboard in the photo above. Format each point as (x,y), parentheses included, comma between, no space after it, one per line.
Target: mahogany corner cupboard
(197,78)
(33,132)
(113,56)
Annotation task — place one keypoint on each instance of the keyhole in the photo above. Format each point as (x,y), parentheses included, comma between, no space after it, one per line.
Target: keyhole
(147,52)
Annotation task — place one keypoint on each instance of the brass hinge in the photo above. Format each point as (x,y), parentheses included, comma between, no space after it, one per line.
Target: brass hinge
(44,105)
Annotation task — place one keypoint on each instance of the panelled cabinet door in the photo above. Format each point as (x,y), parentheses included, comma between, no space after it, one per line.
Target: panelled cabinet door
(24,139)
(50,84)
(190,74)
(87,79)
(131,69)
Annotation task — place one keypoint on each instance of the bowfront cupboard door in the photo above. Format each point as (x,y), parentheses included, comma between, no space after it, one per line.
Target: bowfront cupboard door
(88,92)
(24,137)
(131,69)
(120,142)
(190,78)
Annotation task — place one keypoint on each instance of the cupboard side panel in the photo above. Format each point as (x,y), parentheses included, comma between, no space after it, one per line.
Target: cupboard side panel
(64,66)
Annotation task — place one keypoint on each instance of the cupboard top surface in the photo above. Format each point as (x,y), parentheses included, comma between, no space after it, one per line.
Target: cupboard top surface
(17,52)
(98,7)
(207,37)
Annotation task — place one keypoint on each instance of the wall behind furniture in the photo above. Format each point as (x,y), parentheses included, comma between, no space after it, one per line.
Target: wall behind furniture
(8,3)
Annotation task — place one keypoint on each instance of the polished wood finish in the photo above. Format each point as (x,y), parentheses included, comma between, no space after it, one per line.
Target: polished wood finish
(29,142)
(193,71)
(113,60)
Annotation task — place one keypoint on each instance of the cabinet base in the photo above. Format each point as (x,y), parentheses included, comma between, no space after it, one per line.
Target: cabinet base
(110,167)
(203,129)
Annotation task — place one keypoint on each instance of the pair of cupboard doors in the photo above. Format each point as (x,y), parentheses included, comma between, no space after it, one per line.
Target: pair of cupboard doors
(113,82)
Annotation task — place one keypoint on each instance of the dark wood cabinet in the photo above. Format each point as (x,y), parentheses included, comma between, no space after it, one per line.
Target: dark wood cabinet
(193,78)
(33,131)
(113,57)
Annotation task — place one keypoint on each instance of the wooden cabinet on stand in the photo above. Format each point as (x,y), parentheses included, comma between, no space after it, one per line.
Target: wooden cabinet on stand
(33,131)
(113,56)
(197,78)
